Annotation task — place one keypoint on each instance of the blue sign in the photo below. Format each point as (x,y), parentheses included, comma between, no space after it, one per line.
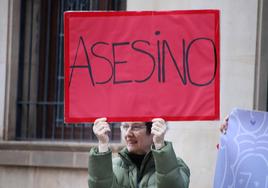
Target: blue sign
(243,152)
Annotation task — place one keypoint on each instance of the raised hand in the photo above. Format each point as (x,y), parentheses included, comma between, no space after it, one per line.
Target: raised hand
(159,129)
(224,125)
(101,129)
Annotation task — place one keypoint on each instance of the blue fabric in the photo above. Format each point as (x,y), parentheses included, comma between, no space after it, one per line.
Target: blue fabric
(243,153)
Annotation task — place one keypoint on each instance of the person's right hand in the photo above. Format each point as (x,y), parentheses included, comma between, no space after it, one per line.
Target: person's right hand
(224,125)
(101,129)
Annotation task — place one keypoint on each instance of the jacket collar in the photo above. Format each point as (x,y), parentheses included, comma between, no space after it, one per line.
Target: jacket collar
(147,163)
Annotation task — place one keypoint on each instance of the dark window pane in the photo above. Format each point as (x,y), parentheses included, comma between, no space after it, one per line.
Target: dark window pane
(41,76)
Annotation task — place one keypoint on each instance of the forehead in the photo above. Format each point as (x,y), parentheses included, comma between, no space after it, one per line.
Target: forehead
(133,123)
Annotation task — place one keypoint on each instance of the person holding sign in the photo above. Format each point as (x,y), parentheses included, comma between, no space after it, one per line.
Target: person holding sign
(146,161)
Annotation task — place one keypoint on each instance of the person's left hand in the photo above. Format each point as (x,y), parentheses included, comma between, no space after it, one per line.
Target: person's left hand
(224,125)
(159,129)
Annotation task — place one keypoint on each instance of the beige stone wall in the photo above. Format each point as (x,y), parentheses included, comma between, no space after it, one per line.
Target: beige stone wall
(38,177)
(45,164)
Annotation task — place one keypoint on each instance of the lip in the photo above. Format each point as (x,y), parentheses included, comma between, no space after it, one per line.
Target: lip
(131,142)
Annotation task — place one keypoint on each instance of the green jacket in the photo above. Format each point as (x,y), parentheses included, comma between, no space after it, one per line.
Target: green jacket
(159,169)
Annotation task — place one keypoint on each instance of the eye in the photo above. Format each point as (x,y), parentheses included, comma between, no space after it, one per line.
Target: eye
(125,127)
(135,128)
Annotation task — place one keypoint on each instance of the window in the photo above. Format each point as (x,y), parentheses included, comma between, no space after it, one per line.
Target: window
(39,106)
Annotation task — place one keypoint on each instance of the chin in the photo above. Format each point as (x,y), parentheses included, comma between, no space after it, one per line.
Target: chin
(131,149)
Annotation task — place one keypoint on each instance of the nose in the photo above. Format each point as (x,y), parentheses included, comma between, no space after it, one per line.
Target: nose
(129,131)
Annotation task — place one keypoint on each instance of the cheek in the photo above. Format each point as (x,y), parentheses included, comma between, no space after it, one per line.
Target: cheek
(145,140)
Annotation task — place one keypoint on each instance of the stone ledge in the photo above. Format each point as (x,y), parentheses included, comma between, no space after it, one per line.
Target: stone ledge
(47,154)
(53,145)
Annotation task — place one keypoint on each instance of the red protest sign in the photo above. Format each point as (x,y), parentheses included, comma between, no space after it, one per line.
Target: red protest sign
(134,66)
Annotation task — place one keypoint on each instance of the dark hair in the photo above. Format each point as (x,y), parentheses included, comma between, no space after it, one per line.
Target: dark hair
(148,127)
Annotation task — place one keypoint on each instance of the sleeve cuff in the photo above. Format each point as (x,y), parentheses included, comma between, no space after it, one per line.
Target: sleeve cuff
(100,164)
(103,148)
(165,158)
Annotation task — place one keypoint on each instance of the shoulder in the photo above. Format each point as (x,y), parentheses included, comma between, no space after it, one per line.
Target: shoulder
(118,162)
(183,166)
(121,170)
